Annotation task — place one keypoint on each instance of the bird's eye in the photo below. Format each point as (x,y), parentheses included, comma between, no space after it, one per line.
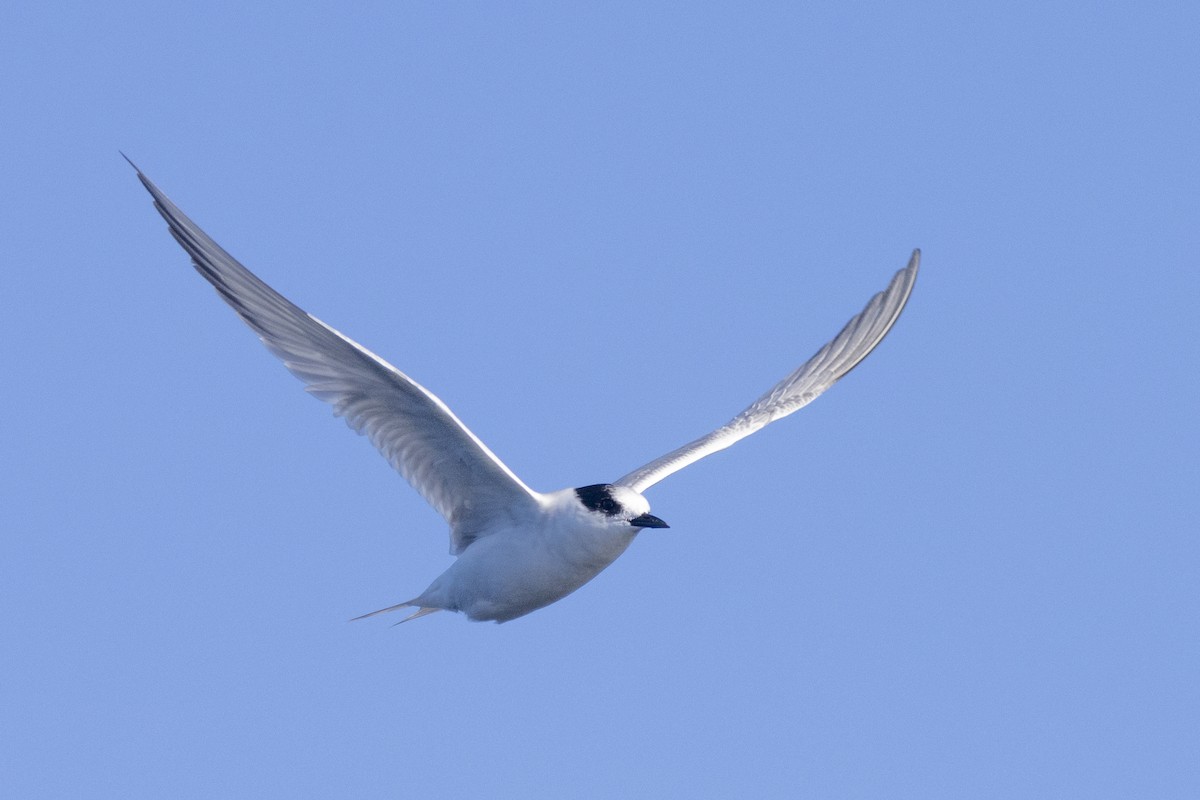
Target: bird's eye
(608,505)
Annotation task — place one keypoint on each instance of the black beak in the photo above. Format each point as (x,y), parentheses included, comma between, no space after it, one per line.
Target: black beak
(648,521)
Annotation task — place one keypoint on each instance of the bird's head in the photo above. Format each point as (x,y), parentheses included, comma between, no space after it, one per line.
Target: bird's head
(619,504)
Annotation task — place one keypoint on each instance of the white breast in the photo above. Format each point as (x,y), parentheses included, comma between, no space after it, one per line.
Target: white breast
(511,572)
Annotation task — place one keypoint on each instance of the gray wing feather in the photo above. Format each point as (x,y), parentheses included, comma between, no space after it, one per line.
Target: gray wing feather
(452,469)
(855,341)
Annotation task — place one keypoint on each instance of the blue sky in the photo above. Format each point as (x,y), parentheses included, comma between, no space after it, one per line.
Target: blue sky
(969,570)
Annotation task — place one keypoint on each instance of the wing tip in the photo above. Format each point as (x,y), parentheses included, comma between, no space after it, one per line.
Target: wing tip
(914,263)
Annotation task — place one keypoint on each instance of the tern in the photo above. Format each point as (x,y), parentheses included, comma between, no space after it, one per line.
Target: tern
(517,550)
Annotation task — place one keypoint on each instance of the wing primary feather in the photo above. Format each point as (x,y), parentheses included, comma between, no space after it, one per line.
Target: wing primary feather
(828,365)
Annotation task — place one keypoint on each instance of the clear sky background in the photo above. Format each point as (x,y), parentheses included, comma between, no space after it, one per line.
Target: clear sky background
(598,231)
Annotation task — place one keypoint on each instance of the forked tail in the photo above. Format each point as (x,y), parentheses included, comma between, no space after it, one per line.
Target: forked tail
(420,612)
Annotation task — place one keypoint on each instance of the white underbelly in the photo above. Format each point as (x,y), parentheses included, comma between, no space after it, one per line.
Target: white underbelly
(504,576)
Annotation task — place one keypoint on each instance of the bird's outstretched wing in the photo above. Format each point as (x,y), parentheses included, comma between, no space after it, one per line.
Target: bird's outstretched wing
(451,468)
(848,348)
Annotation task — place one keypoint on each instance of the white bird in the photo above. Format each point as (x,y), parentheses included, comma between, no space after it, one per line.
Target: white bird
(518,550)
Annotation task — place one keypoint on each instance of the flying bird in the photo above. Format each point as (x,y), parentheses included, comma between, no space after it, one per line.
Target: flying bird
(517,550)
